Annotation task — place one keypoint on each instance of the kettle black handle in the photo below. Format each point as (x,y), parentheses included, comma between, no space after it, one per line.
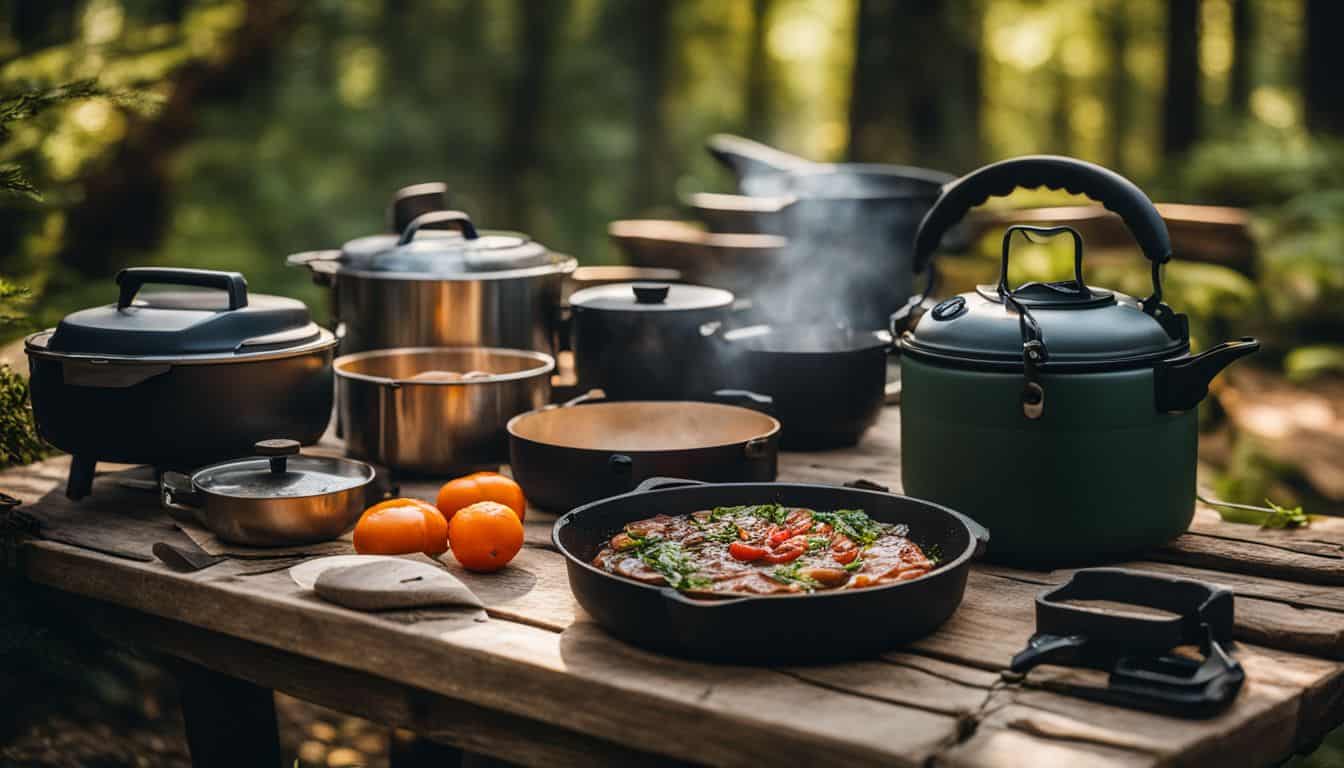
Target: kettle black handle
(1107,187)
(439,220)
(132,279)
(414,201)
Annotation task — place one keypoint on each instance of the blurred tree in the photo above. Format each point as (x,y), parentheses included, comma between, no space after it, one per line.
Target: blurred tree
(650,39)
(1181,101)
(1118,89)
(1243,56)
(756,100)
(915,89)
(1323,64)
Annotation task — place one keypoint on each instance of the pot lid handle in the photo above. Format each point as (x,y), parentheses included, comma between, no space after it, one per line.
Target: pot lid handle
(415,200)
(279,450)
(439,220)
(132,279)
(1107,187)
(650,293)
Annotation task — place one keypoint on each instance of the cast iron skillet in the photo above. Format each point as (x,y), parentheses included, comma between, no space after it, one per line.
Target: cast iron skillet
(776,629)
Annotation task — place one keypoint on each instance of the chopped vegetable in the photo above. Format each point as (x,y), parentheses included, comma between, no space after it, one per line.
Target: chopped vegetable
(794,574)
(854,523)
(740,550)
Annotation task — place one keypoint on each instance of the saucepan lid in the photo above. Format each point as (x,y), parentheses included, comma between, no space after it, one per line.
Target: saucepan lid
(279,471)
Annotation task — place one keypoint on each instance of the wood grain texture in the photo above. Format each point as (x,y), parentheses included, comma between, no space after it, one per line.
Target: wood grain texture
(539,667)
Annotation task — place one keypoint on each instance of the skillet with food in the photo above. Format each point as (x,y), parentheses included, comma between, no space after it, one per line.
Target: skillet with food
(667,590)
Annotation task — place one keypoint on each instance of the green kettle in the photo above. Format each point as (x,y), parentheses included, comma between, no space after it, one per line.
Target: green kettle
(1060,415)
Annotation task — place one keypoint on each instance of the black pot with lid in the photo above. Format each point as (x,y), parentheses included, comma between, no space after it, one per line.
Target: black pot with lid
(179,378)
(642,341)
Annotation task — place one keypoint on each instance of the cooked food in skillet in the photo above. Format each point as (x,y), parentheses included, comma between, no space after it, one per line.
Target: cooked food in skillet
(764,549)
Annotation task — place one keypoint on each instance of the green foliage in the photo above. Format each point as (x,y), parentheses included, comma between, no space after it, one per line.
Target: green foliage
(19,442)
(1261,169)
(1307,363)
(1270,516)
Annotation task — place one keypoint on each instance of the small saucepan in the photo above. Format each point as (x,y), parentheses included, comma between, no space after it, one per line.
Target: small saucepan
(828,383)
(564,456)
(276,498)
(769,629)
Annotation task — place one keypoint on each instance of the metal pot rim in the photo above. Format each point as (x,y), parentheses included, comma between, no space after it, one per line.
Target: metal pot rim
(770,434)
(546,366)
(560,265)
(35,346)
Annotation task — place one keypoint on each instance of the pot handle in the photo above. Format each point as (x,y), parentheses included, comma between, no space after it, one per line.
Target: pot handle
(1107,187)
(746,399)
(132,279)
(180,498)
(416,200)
(658,483)
(979,532)
(745,157)
(323,264)
(439,220)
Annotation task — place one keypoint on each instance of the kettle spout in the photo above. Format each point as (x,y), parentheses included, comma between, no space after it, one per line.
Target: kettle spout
(1184,381)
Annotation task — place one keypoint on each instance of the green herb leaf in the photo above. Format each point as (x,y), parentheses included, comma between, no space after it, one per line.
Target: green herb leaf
(934,553)
(668,559)
(817,543)
(854,523)
(1282,517)
(854,565)
(793,574)
(725,534)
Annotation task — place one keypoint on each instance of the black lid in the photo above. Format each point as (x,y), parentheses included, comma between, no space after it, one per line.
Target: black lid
(185,323)
(651,297)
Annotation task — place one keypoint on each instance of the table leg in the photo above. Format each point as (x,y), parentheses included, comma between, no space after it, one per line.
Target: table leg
(230,722)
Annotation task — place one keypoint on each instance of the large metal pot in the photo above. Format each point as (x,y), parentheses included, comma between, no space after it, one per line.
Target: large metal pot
(848,227)
(276,498)
(402,411)
(427,287)
(1060,415)
(179,379)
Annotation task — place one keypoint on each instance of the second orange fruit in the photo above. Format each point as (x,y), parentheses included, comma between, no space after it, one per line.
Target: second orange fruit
(481,486)
(485,536)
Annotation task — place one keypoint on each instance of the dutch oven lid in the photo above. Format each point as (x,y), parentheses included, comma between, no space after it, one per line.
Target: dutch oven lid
(278,471)
(1074,323)
(424,247)
(407,204)
(185,323)
(651,297)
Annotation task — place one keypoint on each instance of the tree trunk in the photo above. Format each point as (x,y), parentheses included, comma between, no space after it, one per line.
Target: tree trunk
(1323,64)
(756,124)
(1118,83)
(519,156)
(915,91)
(1243,47)
(650,182)
(1181,102)
(37,24)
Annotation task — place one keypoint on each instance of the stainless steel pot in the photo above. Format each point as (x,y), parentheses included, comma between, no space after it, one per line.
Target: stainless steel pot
(433,425)
(277,498)
(489,289)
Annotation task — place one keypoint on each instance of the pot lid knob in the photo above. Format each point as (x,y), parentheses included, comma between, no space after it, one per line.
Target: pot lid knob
(650,293)
(279,450)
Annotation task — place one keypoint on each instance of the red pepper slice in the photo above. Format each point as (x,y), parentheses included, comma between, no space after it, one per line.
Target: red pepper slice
(790,550)
(740,550)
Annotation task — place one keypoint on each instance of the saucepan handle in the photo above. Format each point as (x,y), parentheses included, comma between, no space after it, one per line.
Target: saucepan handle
(132,279)
(659,483)
(1107,187)
(979,532)
(180,498)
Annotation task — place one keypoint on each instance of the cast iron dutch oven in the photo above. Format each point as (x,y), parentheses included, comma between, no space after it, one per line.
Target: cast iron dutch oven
(642,341)
(179,379)
(774,629)
(1060,415)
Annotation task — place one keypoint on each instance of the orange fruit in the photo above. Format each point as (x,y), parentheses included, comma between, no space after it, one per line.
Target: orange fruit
(481,486)
(485,536)
(401,527)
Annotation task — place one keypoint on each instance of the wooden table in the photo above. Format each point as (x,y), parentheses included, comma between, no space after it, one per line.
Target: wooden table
(538,683)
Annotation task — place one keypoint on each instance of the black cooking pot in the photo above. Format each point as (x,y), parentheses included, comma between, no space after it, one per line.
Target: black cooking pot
(771,629)
(179,379)
(642,341)
(570,455)
(827,383)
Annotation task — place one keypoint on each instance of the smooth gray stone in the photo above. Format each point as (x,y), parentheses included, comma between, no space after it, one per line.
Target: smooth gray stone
(387,584)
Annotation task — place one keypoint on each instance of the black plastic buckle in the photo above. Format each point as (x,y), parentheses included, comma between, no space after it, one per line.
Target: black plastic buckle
(1137,650)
